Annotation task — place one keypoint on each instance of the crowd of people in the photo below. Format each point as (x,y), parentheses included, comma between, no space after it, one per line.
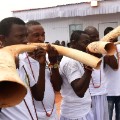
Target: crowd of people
(87,93)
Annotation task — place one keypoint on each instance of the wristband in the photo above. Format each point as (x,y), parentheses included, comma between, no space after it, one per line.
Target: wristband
(88,68)
(53,65)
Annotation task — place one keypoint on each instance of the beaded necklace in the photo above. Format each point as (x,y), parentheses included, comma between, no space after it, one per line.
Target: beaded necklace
(47,114)
(28,109)
(31,96)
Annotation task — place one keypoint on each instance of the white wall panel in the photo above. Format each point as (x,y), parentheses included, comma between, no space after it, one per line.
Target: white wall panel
(58,28)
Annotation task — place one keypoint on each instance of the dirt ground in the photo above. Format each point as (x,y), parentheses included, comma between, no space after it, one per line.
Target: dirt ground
(58,99)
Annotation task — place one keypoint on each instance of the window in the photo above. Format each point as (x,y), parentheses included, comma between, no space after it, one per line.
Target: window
(103,26)
(74,27)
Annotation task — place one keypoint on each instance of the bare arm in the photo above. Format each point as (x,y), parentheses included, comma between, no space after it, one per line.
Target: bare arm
(81,85)
(56,79)
(39,88)
(111,61)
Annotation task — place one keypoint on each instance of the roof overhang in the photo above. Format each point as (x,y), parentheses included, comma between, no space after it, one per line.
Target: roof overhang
(71,10)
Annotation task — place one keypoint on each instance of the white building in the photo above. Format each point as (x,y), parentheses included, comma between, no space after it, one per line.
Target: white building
(60,21)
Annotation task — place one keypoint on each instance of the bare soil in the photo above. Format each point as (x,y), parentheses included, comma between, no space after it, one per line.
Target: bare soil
(58,99)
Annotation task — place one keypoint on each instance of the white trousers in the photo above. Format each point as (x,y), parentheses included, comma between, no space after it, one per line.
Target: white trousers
(100,107)
(89,116)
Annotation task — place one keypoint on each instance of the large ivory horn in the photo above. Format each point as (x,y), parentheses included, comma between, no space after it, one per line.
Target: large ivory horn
(12,89)
(111,35)
(83,57)
(102,47)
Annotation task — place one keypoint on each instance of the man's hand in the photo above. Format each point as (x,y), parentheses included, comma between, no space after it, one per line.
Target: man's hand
(52,54)
(39,55)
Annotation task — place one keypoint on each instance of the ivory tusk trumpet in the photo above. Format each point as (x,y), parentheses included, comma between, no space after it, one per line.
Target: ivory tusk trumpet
(80,56)
(102,47)
(12,89)
(112,35)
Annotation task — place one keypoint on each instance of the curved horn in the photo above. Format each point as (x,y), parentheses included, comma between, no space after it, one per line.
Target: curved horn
(102,47)
(83,57)
(111,35)
(12,89)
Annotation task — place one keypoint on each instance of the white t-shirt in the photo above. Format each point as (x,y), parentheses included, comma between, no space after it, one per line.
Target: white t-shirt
(72,106)
(49,95)
(113,78)
(98,79)
(20,111)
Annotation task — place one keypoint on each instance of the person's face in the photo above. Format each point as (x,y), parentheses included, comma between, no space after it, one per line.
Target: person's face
(17,35)
(63,43)
(36,34)
(82,43)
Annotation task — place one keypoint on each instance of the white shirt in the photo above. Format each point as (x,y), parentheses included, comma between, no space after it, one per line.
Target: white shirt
(20,111)
(72,107)
(49,95)
(98,79)
(113,78)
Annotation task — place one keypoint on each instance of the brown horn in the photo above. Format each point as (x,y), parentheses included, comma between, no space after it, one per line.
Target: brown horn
(111,35)
(12,89)
(102,47)
(83,57)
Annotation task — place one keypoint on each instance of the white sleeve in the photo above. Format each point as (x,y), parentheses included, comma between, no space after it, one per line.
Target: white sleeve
(72,71)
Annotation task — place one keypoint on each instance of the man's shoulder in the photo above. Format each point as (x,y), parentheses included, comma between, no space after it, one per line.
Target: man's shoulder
(67,59)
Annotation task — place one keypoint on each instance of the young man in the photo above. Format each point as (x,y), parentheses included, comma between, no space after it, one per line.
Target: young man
(13,31)
(76,103)
(98,83)
(112,71)
(46,109)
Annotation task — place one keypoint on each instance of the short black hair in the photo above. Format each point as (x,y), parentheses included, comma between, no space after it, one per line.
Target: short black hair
(107,30)
(75,36)
(57,42)
(32,22)
(6,24)
(68,44)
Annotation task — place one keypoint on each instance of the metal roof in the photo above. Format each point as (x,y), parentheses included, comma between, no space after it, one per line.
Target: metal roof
(69,10)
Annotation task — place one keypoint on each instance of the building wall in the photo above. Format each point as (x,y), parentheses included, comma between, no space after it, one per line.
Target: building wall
(58,28)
